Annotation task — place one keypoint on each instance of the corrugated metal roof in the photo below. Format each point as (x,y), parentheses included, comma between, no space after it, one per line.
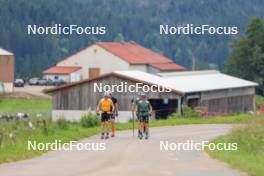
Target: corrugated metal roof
(5,53)
(192,81)
(134,53)
(144,77)
(168,66)
(180,82)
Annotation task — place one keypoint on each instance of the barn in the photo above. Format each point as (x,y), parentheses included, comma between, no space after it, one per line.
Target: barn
(213,91)
(7,67)
(105,57)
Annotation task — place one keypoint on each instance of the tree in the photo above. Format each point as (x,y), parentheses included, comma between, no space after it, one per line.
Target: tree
(119,38)
(247,58)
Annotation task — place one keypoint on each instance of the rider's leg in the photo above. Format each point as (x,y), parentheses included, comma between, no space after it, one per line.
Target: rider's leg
(102,126)
(146,124)
(107,127)
(147,129)
(141,127)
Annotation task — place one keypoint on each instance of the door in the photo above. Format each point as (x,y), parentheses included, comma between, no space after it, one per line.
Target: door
(93,72)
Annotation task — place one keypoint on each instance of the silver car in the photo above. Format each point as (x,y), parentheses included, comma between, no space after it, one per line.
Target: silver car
(33,81)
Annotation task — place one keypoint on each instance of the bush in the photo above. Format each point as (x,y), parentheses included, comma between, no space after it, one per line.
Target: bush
(63,123)
(188,112)
(89,120)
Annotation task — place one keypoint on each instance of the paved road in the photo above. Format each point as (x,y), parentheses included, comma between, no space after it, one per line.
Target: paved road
(128,156)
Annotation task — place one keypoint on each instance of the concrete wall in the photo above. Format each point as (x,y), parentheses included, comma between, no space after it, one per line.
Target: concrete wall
(8,87)
(75,115)
(95,57)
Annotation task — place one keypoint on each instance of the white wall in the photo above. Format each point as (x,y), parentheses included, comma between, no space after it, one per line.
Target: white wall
(138,67)
(95,57)
(65,78)
(144,68)
(8,87)
(151,69)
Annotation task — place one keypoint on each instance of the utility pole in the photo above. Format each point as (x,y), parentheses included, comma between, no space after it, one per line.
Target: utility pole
(193,63)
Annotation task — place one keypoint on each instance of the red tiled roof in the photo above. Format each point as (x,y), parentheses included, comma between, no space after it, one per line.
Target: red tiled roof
(168,66)
(134,53)
(61,70)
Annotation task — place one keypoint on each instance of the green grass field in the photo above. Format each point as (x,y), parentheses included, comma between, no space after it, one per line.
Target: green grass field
(250,154)
(31,106)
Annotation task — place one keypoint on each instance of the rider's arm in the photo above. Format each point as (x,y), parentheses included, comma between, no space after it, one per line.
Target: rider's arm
(113,107)
(150,108)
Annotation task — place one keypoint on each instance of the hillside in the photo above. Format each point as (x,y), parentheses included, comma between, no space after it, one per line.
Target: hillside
(136,20)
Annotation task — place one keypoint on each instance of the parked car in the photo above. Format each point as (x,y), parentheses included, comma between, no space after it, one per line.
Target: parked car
(33,81)
(19,83)
(42,82)
(50,82)
(58,82)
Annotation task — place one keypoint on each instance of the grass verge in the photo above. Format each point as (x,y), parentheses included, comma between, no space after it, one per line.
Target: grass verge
(250,141)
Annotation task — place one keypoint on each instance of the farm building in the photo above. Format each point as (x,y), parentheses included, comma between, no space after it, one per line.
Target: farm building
(105,57)
(7,65)
(212,91)
(67,74)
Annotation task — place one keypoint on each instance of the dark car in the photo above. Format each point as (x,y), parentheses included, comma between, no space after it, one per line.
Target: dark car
(50,82)
(19,83)
(58,82)
(42,82)
(33,81)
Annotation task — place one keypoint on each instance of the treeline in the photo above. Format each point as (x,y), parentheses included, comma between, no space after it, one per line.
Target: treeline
(136,20)
(247,57)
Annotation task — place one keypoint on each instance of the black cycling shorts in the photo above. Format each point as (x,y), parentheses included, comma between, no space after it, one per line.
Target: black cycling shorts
(105,117)
(144,118)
